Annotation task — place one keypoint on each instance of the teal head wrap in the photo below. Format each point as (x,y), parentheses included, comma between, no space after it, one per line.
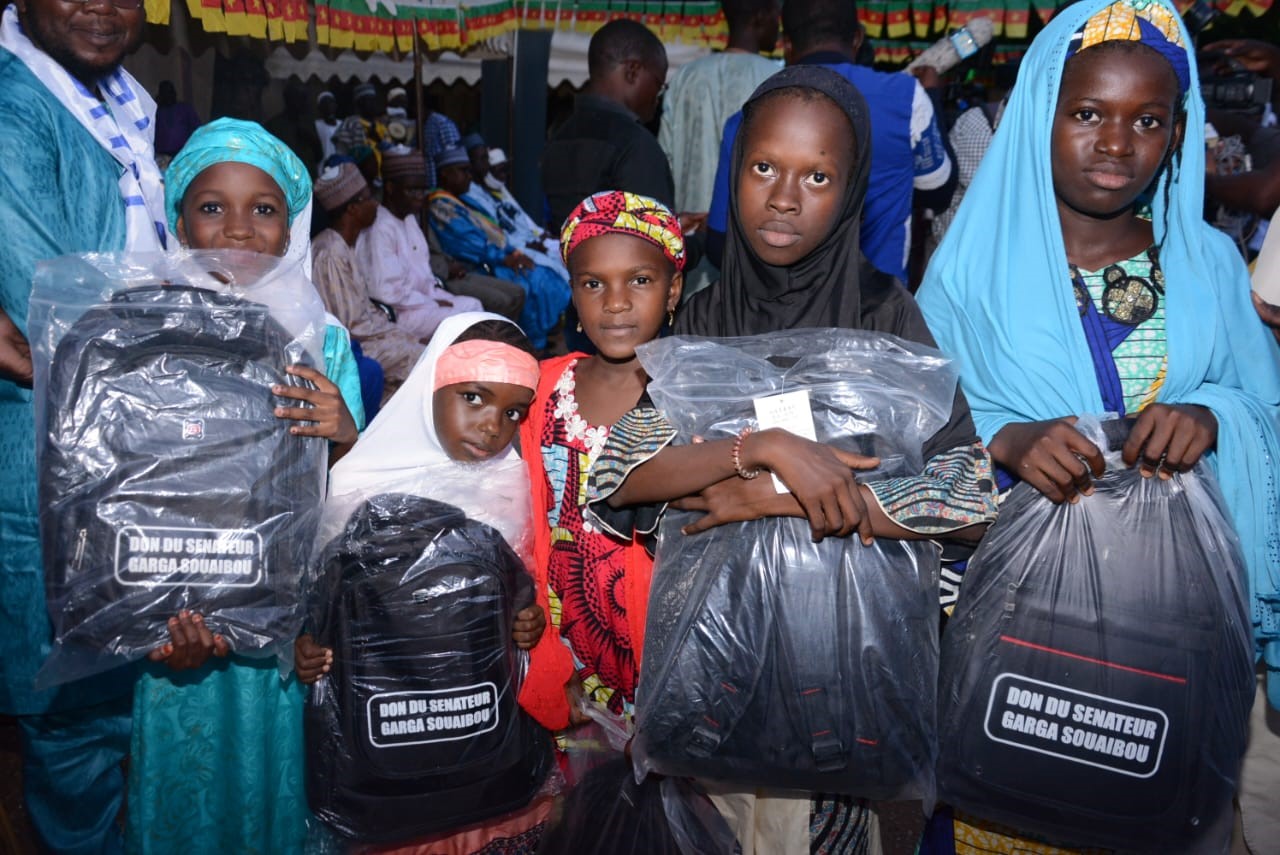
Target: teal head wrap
(236,141)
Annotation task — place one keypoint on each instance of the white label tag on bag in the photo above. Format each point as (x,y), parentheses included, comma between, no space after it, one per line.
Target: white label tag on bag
(789,411)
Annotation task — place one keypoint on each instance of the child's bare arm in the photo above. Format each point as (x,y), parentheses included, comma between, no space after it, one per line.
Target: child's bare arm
(328,412)
(819,476)
(190,644)
(736,500)
(310,660)
(528,627)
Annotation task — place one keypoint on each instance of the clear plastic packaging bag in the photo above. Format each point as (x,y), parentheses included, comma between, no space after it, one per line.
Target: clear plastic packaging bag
(416,729)
(771,660)
(166,480)
(602,739)
(1097,672)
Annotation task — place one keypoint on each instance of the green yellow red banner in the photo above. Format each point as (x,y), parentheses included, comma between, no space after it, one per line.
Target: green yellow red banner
(369,25)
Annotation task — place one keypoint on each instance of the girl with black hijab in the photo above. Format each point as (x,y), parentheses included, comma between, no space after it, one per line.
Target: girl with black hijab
(792,260)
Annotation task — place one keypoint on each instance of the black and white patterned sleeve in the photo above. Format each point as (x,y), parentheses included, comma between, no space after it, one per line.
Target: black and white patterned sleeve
(956,489)
(640,434)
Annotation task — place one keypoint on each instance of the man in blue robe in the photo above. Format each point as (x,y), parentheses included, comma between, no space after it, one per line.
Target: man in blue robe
(79,176)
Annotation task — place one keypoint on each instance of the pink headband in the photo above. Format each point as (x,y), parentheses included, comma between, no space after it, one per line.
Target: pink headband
(479,361)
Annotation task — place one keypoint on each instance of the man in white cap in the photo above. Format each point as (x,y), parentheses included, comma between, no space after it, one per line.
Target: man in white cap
(363,128)
(326,122)
(492,196)
(495,181)
(395,257)
(343,283)
(400,129)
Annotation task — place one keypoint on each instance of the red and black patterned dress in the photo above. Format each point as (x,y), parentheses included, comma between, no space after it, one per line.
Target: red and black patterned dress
(586,566)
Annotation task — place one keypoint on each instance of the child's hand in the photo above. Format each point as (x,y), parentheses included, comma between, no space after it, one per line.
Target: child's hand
(191,643)
(528,627)
(691,222)
(1252,54)
(310,660)
(1170,438)
(819,476)
(327,411)
(518,261)
(737,499)
(15,353)
(1051,456)
(574,693)
(1270,315)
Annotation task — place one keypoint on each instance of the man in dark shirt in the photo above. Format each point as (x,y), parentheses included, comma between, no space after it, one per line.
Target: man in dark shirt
(604,144)
(175,120)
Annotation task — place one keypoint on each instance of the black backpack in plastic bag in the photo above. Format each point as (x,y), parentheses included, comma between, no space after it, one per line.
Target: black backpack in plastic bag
(167,482)
(771,660)
(793,664)
(1096,675)
(416,728)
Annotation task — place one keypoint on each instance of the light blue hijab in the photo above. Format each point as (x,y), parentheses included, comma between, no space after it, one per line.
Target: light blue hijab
(998,298)
(237,141)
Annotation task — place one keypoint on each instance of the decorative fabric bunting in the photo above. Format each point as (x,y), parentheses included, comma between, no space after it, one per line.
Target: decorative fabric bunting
(392,25)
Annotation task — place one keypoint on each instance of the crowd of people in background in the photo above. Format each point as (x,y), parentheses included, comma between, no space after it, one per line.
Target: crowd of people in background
(777,184)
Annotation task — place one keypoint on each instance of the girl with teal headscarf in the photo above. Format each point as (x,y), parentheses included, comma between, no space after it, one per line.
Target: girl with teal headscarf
(1059,295)
(216,758)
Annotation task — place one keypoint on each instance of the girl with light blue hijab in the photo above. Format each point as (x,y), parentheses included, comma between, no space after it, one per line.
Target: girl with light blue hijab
(216,758)
(1056,305)
(237,141)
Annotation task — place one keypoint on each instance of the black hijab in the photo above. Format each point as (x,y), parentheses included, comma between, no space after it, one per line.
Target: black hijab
(823,289)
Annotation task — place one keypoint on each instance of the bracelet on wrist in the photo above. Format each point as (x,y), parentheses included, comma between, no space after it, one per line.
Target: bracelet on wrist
(735,454)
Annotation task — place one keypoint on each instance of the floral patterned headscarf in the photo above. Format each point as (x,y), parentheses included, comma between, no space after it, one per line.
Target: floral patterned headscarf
(619,212)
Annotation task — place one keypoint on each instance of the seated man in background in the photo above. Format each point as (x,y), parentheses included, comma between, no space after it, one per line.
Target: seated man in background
(467,234)
(394,256)
(439,132)
(345,196)
(363,127)
(509,216)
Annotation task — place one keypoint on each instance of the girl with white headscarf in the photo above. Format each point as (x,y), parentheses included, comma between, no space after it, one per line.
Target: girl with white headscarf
(447,436)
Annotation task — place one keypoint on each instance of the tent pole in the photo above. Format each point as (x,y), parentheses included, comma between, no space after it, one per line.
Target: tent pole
(510,142)
(418,100)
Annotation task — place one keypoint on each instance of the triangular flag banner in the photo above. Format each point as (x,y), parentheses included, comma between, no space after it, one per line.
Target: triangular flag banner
(898,19)
(872,15)
(1017,16)
(962,11)
(369,25)
(921,18)
(941,15)
(208,13)
(255,19)
(158,11)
